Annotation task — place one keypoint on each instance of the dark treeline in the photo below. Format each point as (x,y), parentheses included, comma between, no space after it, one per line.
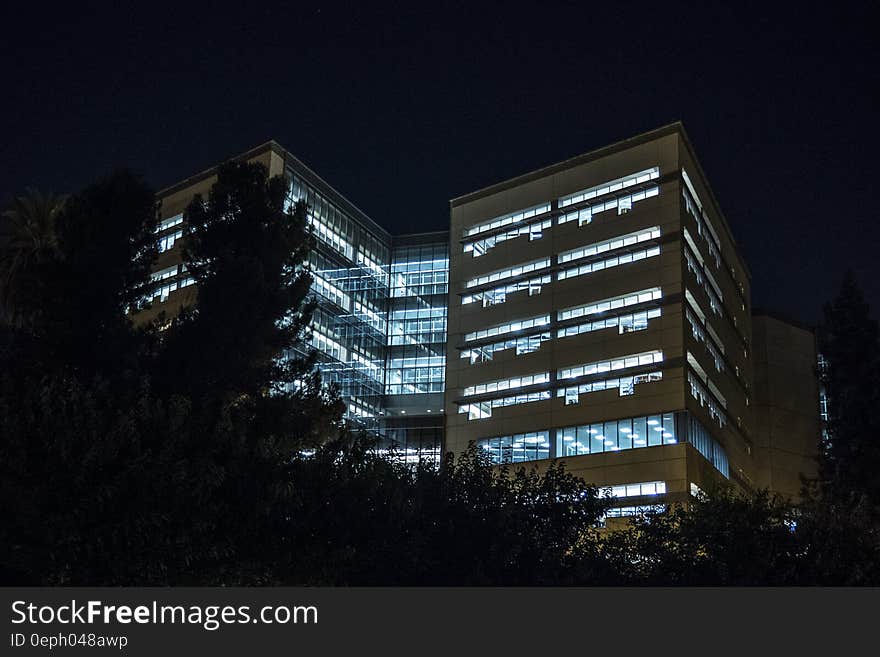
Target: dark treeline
(204,449)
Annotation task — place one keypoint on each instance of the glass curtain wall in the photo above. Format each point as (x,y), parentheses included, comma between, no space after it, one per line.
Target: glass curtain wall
(350,269)
(380,324)
(416,347)
(419,289)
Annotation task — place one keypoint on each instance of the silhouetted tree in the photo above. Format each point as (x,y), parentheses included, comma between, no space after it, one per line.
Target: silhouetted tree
(158,455)
(362,519)
(71,384)
(723,538)
(27,241)
(246,252)
(205,449)
(850,343)
(839,539)
(253,400)
(93,264)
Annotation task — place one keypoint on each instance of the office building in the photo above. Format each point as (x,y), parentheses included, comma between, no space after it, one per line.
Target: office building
(599,312)
(380,324)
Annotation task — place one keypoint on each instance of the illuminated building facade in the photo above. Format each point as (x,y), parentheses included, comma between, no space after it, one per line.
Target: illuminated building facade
(380,324)
(599,313)
(416,346)
(596,310)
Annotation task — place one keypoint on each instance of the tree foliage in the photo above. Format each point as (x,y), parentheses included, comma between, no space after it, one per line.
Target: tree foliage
(466,523)
(246,254)
(850,343)
(723,538)
(27,231)
(156,454)
(205,449)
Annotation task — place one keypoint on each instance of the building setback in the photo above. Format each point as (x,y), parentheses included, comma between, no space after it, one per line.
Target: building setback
(787,400)
(598,312)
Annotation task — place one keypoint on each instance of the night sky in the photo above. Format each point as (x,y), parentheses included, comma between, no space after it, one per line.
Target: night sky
(402,108)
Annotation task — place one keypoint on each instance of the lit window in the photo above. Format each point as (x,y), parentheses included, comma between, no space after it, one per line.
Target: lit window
(505,220)
(165,224)
(629,256)
(612,244)
(510,272)
(482,246)
(499,294)
(621,362)
(610,187)
(506,384)
(518,447)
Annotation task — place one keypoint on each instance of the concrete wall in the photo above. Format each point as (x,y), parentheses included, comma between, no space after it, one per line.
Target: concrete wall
(786,404)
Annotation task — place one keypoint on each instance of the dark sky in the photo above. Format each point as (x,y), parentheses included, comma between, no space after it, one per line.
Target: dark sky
(402,108)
